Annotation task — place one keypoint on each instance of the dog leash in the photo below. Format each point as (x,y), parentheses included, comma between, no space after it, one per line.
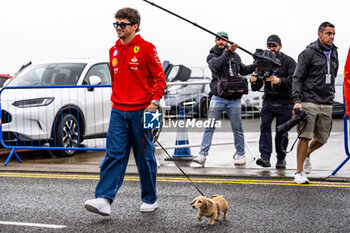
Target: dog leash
(181,169)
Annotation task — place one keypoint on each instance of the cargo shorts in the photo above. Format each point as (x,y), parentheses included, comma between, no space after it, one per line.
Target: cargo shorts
(318,125)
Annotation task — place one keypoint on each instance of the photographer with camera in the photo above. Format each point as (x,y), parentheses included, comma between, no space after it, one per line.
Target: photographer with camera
(313,92)
(227,87)
(277,103)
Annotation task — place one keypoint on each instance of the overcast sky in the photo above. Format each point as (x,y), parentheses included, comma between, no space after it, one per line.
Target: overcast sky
(39,30)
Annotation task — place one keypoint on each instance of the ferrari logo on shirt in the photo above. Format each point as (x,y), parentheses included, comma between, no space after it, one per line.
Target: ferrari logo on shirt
(136,49)
(114,62)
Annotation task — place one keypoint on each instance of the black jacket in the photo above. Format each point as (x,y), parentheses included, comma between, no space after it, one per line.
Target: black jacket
(309,79)
(218,61)
(279,93)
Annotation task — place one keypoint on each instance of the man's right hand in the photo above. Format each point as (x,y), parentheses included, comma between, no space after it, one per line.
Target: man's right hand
(233,47)
(297,106)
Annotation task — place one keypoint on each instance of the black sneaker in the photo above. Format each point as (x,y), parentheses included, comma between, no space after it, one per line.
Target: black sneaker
(281,164)
(263,162)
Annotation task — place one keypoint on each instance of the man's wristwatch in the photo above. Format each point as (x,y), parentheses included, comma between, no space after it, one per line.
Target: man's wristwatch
(156,102)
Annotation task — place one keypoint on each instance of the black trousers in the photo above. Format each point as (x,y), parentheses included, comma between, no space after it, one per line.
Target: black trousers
(282,113)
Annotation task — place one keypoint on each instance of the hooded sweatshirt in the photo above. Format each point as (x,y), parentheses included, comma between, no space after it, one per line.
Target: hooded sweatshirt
(219,61)
(137,74)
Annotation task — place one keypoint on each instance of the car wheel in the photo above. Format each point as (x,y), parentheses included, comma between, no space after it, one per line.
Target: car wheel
(67,135)
(203,108)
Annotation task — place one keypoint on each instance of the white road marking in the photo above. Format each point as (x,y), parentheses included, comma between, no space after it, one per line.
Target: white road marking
(32,224)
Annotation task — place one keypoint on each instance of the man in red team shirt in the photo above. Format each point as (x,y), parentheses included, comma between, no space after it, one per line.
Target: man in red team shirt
(347,84)
(138,83)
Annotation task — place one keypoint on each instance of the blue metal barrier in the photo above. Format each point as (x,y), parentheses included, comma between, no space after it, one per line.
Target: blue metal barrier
(69,110)
(346,138)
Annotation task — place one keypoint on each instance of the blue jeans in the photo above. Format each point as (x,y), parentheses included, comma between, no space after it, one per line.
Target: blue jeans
(126,131)
(233,109)
(282,113)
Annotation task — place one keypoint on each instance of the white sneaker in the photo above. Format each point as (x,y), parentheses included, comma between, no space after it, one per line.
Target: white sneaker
(99,206)
(300,178)
(200,159)
(145,207)
(307,165)
(239,160)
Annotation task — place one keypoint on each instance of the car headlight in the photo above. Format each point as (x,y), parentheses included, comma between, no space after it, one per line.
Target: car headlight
(34,102)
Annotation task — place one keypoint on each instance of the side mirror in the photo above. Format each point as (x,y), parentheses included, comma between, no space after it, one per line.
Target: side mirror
(94,80)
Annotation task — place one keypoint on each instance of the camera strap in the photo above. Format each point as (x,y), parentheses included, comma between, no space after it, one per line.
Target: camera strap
(291,149)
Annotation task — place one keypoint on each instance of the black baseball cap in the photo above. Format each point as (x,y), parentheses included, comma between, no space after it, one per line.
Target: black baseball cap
(273,39)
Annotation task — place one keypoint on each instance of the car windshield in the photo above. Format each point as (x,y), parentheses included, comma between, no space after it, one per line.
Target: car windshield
(49,75)
(187,89)
(173,73)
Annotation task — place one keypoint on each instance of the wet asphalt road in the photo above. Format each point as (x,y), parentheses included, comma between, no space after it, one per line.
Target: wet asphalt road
(254,207)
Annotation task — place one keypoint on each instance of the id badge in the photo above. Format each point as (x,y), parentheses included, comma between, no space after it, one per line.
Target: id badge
(231,72)
(328,78)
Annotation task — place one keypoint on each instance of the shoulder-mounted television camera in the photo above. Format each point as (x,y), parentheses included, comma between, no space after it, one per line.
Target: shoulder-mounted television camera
(266,63)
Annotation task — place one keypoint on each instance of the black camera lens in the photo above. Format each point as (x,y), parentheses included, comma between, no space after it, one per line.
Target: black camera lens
(299,116)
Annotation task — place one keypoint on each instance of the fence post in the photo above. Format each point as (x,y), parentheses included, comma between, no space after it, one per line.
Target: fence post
(346,140)
(10,155)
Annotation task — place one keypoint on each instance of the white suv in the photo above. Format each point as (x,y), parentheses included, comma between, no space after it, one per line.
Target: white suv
(33,114)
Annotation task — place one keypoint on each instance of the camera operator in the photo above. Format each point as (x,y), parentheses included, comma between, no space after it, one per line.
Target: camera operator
(277,103)
(227,87)
(313,92)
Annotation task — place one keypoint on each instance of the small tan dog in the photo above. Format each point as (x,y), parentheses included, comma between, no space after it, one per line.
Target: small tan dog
(210,208)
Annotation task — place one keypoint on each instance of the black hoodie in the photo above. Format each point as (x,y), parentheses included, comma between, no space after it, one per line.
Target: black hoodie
(218,61)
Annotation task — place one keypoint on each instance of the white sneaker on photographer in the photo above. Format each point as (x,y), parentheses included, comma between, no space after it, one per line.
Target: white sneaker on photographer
(239,160)
(307,165)
(200,159)
(300,178)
